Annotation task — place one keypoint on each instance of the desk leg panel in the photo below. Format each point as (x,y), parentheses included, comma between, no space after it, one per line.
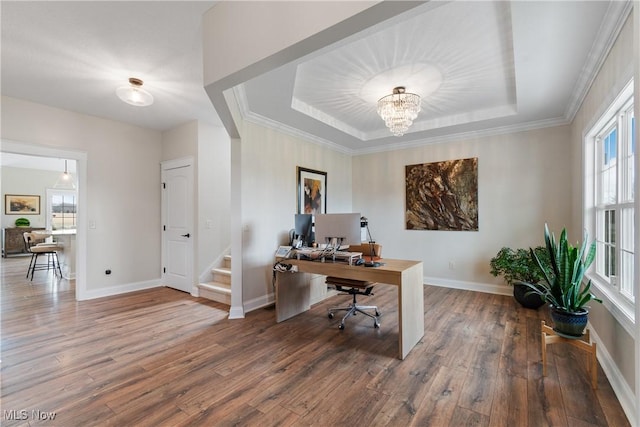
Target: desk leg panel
(410,309)
(293,294)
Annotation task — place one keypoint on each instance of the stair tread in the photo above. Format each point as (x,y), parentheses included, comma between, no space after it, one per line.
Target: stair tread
(222,270)
(216,286)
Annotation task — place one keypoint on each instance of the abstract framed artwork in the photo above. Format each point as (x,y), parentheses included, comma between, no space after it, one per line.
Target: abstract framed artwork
(442,195)
(312,191)
(15,204)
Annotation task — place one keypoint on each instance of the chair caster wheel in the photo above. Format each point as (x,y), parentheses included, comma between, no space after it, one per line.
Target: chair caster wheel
(341,326)
(377,313)
(376,325)
(330,315)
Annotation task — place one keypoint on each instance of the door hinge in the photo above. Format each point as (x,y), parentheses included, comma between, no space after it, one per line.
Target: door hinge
(164,228)
(164,185)
(164,269)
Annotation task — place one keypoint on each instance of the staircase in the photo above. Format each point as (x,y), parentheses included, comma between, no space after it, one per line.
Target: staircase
(219,289)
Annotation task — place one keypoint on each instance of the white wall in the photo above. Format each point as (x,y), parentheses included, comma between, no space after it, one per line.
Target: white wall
(523,180)
(27,182)
(123,192)
(209,146)
(269,200)
(214,195)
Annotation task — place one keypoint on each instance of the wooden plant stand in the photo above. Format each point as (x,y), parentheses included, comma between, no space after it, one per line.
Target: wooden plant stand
(549,336)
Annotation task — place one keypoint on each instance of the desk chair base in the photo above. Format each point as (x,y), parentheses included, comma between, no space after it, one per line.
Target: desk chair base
(353,309)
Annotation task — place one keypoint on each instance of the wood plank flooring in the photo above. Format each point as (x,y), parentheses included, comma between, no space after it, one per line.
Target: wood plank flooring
(162,358)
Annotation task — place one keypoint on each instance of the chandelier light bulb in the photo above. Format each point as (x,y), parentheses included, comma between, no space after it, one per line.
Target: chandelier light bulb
(134,94)
(65,181)
(399,110)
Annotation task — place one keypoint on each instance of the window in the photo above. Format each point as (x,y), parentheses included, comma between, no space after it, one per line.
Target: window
(61,209)
(609,197)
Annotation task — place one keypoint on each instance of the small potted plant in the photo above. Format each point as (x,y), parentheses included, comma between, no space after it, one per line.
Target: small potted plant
(564,290)
(517,267)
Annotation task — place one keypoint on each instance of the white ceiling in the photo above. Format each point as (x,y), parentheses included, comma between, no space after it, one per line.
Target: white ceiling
(75,54)
(480,67)
(36,162)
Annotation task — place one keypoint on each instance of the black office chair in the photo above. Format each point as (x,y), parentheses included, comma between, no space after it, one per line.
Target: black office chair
(357,287)
(36,249)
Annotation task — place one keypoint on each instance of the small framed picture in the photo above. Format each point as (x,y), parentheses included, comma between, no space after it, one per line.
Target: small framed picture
(312,191)
(15,204)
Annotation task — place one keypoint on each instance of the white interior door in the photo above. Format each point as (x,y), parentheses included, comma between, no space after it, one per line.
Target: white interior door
(177,225)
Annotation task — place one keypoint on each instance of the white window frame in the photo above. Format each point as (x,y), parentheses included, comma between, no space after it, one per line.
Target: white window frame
(619,302)
(50,193)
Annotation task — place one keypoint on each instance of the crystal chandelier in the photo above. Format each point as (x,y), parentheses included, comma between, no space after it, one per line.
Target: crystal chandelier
(398,110)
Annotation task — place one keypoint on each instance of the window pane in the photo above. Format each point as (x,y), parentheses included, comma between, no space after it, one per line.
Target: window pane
(608,171)
(633,135)
(609,243)
(63,211)
(626,277)
(626,231)
(630,163)
(610,147)
(609,186)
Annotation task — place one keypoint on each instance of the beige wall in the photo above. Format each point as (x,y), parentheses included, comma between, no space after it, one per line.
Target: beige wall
(523,180)
(210,148)
(214,196)
(613,76)
(26,181)
(269,202)
(123,195)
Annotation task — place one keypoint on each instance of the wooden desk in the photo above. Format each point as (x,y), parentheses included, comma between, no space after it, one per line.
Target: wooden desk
(292,293)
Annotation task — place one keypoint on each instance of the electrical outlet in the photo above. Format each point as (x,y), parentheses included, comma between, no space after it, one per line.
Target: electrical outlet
(452,266)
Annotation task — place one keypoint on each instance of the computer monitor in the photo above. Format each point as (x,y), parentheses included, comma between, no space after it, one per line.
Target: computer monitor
(344,227)
(304,228)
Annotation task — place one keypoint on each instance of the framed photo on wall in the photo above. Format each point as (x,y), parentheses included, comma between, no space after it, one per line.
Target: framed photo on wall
(15,204)
(312,191)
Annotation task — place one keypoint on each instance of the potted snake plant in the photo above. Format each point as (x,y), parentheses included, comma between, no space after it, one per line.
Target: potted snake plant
(517,267)
(564,290)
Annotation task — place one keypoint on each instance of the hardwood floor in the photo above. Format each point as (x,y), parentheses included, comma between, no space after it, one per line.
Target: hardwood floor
(162,358)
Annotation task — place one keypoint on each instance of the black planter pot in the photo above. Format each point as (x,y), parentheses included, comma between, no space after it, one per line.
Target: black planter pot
(569,325)
(532,301)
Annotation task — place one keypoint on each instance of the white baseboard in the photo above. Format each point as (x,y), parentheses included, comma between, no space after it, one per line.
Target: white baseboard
(260,302)
(469,286)
(236,312)
(120,289)
(620,387)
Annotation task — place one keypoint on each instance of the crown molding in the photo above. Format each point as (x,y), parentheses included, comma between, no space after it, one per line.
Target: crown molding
(258,119)
(501,130)
(609,30)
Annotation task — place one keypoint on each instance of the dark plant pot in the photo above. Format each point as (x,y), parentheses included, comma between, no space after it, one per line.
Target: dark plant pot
(569,325)
(532,301)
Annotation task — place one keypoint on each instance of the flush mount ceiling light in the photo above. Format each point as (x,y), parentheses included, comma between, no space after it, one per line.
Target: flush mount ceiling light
(399,110)
(134,94)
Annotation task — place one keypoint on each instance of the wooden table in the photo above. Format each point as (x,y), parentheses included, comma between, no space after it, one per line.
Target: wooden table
(292,292)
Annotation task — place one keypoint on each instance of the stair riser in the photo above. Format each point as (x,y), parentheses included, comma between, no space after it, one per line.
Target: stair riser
(222,278)
(220,297)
